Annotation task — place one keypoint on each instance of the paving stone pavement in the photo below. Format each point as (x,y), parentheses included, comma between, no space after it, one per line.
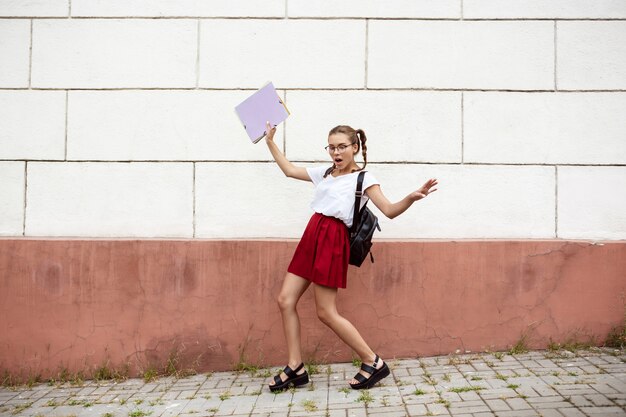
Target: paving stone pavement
(590,382)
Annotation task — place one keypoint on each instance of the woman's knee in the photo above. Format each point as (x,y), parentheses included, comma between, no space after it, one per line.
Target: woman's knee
(327,315)
(286,302)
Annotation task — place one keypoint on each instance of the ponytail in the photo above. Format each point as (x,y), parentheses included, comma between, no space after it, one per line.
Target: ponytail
(360,134)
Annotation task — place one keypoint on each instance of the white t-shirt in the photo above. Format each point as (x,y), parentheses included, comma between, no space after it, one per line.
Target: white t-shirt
(334,196)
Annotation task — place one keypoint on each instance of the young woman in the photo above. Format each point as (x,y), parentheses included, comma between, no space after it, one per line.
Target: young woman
(321,258)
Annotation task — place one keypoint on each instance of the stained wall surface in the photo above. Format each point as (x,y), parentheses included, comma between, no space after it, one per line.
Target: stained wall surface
(210,304)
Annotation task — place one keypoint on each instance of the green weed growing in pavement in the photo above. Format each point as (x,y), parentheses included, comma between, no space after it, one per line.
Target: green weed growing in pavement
(443,401)
(309,406)
(21,407)
(225,395)
(498,355)
(521,346)
(312,368)
(419,392)
(108,415)
(476,378)
(446,377)
(465,389)
(150,374)
(345,390)
(356,362)
(365,397)
(104,372)
(513,386)
(502,377)
(139,413)
(617,335)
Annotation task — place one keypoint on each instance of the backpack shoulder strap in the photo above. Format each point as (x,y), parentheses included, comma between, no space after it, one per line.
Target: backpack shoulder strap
(357,201)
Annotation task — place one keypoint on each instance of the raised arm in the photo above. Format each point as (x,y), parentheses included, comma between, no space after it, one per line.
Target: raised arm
(285,165)
(392,210)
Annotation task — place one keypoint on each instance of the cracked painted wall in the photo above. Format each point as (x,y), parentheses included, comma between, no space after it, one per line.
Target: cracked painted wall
(210,304)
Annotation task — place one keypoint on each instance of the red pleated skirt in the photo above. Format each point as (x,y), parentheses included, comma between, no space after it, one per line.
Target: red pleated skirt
(323,252)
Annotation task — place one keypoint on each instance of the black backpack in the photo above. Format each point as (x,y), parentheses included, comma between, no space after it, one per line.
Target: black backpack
(363,224)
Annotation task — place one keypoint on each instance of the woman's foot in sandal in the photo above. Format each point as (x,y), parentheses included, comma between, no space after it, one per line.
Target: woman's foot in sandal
(369,375)
(290,377)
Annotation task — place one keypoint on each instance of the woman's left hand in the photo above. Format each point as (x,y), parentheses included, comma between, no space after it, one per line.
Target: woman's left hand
(424,190)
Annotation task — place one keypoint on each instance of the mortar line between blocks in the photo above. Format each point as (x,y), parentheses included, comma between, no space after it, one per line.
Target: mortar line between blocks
(285,126)
(462,127)
(67,99)
(556,201)
(324,89)
(417,19)
(25,199)
(193,193)
(367,25)
(555,57)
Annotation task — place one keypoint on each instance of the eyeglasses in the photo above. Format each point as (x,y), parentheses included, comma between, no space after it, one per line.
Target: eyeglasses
(340,148)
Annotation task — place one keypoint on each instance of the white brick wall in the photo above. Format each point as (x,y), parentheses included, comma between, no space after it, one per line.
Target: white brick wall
(555,128)
(109,199)
(461,54)
(114,53)
(291,53)
(11,198)
(591,55)
(158,125)
(32,125)
(116,116)
(14,41)
(591,202)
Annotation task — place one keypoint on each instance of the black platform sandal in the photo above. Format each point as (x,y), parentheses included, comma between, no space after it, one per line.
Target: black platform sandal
(375,375)
(292,379)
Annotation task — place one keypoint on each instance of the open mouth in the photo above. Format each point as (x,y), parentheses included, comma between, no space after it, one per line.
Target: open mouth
(337,160)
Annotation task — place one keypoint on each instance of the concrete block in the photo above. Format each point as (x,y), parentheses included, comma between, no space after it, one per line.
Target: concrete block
(259,201)
(109,53)
(399,125)
(14,50)
(461,54)
(34,8)
(312,53)
(32,125)
(179,8)
(110,199)
(11,198)
(544,128)
(591,55)
(160,125)
(471,201)
(591,204)
(372,8)
(553,9)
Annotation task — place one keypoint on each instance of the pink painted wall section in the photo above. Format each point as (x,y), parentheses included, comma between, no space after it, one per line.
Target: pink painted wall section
(77,304)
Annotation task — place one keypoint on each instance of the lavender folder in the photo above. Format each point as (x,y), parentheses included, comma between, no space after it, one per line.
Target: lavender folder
(264,105)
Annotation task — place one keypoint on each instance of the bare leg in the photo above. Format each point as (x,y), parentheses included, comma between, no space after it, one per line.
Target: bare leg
(325,303)
(291,291)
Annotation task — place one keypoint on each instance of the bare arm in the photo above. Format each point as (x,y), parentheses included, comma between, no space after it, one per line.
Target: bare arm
(392,210)
(284,164)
